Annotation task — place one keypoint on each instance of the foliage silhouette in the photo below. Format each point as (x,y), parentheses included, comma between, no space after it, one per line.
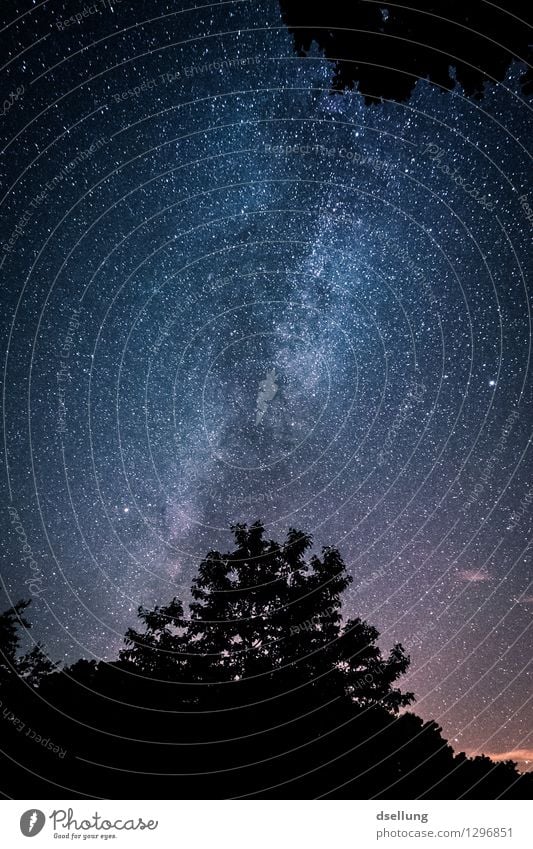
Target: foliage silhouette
(260,690)
(383,48)
(30,667)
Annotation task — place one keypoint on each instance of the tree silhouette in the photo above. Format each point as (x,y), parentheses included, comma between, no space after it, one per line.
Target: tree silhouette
(260,690)
(156,651)
(383,48)
(264,611)
(32,666)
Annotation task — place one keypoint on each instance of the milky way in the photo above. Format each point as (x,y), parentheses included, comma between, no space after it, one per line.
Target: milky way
(231,294)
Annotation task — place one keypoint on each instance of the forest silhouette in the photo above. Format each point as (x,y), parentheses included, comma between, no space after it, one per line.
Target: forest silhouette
(384,48)
(260,690)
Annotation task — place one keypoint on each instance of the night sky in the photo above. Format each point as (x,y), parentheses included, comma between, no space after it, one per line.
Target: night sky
(229,294)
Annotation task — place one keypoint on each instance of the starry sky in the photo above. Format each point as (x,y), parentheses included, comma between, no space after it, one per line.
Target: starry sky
(230,294)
